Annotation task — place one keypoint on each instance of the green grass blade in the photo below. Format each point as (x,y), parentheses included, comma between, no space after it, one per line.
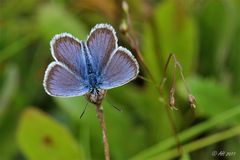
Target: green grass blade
(203,142)
(220,119)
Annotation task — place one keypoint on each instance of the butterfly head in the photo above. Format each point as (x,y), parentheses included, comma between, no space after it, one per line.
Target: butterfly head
(95,94)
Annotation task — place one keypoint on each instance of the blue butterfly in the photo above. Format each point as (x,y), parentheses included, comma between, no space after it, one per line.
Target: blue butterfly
(88,67)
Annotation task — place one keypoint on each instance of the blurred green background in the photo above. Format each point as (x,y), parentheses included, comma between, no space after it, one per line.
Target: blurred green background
(204,35)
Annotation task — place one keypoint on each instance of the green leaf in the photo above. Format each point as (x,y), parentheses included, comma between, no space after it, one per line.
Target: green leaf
(40,137)
(212,97)
(234,57)
(185,156)
(177,33)
(73,106)
(54,19)
(16,47)
(88,125)
(150,55)
(8,91)
(217,39)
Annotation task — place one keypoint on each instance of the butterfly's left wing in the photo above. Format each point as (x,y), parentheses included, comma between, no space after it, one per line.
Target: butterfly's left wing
(120,69)
(60,81)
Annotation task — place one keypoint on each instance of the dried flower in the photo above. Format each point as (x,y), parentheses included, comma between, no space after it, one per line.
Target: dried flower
(192,101)
(172,101)
(123,27)
(125,6)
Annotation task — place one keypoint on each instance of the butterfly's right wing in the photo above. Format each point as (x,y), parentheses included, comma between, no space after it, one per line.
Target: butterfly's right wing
(121,68)
(101,43)
(66,77)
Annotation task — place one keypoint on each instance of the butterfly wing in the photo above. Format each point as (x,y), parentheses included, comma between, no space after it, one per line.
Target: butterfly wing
(60,81)
(121,68)
(69,50)
(67,76)
(101,42)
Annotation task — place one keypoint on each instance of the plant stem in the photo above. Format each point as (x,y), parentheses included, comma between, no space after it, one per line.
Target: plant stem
(100,116)
(134,44)
(158,88)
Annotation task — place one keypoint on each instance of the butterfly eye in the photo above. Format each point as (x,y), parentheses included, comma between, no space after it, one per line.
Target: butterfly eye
(91,90)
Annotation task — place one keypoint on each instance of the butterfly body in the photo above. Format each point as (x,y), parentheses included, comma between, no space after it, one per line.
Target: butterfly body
(93,79)
(88,67)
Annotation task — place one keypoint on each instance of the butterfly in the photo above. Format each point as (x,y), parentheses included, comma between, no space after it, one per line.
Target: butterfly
(88,67)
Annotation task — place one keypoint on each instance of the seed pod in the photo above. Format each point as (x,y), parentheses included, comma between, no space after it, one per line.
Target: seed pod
(172,101)
(192,101)
(125,6)
(123,27)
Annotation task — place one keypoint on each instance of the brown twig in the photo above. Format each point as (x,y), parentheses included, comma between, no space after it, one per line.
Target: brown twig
(100,116)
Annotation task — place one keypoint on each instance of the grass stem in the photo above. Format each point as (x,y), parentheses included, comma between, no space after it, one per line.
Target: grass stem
(100,116)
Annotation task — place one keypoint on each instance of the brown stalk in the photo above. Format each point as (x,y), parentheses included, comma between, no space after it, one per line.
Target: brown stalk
(100,116)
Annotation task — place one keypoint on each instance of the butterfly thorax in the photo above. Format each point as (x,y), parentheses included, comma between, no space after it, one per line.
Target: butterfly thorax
(95,94)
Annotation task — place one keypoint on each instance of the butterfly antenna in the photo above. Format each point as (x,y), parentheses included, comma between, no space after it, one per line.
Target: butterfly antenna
(84,110)
(114,106)
(144,78)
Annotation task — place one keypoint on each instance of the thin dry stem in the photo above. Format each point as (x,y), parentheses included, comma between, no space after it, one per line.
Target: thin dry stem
(140,58)
(177,64)
(135,47)
(100,116)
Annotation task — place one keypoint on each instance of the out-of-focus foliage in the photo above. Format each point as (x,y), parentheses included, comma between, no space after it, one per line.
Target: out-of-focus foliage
(204,35)
(36,140)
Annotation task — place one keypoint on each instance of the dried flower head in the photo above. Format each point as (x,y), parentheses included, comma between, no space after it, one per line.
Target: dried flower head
(125,6)
(192,101)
